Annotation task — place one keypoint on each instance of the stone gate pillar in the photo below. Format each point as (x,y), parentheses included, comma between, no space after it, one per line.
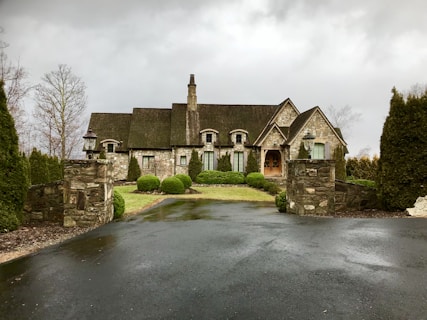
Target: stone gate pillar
(310,187)
(88,192)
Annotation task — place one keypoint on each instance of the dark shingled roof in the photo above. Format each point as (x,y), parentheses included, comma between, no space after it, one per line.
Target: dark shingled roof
(299,122)
(111,126)
(223,118)
(150,129)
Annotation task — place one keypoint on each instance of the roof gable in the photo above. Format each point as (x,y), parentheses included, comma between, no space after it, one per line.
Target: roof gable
(267,132)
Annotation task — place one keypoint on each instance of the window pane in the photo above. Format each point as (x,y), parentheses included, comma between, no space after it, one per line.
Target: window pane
(148,162)
(208,160)
(110,147)
(319,151)
(238,138)
(238,161)
(183,161)
(209,137)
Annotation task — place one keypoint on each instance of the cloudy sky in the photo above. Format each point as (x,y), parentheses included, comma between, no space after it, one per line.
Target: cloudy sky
(139,53)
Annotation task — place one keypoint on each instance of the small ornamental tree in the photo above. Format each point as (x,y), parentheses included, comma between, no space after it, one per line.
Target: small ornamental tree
(340,172)
(302,153)
(224,163)
(13,182)
(134,171)
(195,165)
(252,164)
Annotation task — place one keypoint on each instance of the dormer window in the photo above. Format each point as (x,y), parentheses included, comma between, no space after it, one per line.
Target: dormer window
(239,136)
(110,145)
(209,136)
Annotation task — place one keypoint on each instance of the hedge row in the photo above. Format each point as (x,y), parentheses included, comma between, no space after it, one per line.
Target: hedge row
(220,177)
(171,185)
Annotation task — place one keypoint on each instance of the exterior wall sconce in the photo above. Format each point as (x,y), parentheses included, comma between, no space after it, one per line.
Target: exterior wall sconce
(89,143)
(308,142)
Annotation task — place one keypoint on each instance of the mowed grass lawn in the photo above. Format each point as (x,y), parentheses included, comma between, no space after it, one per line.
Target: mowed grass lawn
(137,202)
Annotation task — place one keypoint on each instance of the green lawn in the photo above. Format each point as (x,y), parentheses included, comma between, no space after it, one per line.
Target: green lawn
(136,202)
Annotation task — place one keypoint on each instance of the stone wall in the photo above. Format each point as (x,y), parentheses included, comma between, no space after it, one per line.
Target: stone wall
(120,165)
(352,197)
(88,192)
(311,187)
(45,202)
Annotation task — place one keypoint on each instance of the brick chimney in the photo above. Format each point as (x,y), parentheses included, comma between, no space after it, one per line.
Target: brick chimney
(192,97)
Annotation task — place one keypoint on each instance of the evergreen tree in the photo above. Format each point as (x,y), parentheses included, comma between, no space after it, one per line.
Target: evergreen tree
(102,155)
(402,173)
(39,167)
(302,153)
(224,163)
(252,164)
(55,169)
(340,171)
(195,165)
(134,171)
(13,183)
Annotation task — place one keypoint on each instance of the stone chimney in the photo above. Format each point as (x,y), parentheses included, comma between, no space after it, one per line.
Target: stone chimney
(192,97)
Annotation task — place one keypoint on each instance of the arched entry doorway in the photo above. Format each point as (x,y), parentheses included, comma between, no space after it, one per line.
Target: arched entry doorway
(273,164)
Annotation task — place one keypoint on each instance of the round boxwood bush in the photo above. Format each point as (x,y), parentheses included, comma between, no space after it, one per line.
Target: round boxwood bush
(233,177)
(186,180)
(281,201)
(255,179)
(119,205)
(172,185)
(148,182)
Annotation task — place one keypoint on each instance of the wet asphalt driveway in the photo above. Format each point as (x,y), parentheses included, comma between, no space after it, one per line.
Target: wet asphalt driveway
(226,260)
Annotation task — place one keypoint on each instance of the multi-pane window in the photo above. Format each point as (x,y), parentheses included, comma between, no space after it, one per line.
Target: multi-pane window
(110,147)
(208,137)
(318,151)
(238,161)
(147,162)
(208,160)
(183,161)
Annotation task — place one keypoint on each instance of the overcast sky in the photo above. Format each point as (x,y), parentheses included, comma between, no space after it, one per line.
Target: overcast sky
(139,53)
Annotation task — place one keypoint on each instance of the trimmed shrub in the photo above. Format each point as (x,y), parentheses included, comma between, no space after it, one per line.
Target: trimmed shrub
(252,164)
(172,185)
(281,201)
(219,177)
(224,163)
(134,171)
(148,182)
(119,205)
(195,165)
(39,167)
(255,179)
(271,188)
(185,179)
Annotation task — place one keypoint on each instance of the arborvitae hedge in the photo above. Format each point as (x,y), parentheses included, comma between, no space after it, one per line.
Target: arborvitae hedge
(56,169)
(13,182)
(252,164)
(402,174)
(134,171)
(195,165)
(224,163)
(39,167)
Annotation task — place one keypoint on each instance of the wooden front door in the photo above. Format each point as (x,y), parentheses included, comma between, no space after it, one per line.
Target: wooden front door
(273,164)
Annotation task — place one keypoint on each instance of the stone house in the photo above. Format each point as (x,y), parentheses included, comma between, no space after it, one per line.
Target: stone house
(162,139)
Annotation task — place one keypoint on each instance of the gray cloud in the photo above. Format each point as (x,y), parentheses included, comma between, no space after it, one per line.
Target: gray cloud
(139,53)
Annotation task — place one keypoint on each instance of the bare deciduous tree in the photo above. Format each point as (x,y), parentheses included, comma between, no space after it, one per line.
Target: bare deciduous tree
(16,90)
(343,118)
(61,103)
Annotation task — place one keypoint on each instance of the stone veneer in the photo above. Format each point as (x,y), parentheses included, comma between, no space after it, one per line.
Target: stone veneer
(45,202)
(88,192)
(311,187)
